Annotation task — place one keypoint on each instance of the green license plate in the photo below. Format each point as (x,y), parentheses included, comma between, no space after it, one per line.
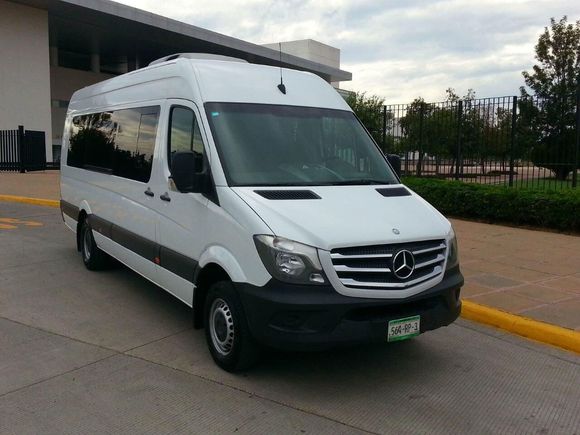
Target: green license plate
(401,329)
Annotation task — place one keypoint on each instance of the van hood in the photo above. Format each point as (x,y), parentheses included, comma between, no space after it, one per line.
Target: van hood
(347,215)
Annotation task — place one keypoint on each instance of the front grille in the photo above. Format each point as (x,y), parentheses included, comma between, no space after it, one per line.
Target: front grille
(371,267)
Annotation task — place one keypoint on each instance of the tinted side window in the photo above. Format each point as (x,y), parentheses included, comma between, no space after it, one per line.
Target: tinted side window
(127,129)
(146,145)
(136,131)
(76,146)
(119,143)
(92,142)
(184,133)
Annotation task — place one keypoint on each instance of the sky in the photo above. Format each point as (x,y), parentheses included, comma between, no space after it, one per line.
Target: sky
(398,50)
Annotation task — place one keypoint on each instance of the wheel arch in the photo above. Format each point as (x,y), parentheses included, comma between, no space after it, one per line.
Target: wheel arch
(84,211)
(204,278)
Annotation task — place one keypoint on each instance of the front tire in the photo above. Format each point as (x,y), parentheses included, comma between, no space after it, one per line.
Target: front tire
(93,257)
(230,343)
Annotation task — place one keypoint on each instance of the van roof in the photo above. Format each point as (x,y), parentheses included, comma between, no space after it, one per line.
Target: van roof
(217,81)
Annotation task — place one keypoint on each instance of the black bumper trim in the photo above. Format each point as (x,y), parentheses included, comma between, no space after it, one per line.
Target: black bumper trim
(302,317)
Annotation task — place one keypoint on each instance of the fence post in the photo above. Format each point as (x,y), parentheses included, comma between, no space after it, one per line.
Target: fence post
(385,129)
(577,152)
(21,147)
(459,122)
(420,159)
(513,139)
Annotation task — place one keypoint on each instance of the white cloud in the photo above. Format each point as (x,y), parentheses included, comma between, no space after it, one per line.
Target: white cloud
(396,49)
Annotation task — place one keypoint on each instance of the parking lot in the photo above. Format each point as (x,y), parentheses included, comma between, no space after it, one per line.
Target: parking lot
(108,352)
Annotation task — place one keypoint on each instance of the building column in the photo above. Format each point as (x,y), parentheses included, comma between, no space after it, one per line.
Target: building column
(124,61)
(133,62)
(95,56)
(95,62)
(53,53)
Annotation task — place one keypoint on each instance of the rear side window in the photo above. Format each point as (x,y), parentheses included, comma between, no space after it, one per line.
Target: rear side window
(119,142)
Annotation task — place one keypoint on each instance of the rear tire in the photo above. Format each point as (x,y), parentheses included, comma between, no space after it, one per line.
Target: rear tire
(230,343)
(93,257)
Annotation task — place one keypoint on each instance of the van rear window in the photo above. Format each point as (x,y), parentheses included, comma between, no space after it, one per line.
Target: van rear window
(119,142)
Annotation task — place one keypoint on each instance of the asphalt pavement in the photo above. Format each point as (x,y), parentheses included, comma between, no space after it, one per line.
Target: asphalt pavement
(108,352)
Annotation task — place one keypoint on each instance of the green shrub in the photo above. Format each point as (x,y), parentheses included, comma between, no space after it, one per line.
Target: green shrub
(497,204)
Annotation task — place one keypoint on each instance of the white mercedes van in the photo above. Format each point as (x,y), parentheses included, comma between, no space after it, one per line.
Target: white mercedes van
(267,208)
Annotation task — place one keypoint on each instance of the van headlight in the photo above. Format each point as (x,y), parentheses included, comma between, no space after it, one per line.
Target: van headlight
(289,261)
(452,252)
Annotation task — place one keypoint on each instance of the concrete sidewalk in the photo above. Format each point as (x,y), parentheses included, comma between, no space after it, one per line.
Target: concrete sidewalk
(531,273)
(33,184)
(535,274)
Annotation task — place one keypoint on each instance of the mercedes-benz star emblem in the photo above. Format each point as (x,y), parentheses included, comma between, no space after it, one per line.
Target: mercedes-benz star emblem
(403,264)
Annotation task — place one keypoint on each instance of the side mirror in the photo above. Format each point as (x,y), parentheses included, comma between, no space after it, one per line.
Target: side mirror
(185,172)
(395,162)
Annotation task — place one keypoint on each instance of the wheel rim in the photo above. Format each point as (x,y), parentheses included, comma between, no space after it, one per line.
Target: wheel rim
(221,326)
(87,244)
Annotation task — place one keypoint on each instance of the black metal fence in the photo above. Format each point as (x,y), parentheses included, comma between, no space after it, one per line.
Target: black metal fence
(520,142)
(22,150)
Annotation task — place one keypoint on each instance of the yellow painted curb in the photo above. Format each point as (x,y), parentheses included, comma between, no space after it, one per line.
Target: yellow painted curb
(533,329)
(34,201)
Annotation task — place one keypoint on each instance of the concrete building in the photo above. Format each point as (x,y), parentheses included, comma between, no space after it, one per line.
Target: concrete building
(50,48)
(312,50)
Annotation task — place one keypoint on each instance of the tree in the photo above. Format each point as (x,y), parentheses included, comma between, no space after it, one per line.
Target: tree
(369,109)
(432,128)
(554,80)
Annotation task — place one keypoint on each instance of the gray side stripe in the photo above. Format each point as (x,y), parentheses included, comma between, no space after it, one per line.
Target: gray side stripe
(165,257)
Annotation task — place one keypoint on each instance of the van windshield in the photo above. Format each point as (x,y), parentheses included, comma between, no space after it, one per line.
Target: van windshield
(273,145)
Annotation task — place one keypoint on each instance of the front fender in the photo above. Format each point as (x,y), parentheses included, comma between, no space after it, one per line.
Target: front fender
(225,259)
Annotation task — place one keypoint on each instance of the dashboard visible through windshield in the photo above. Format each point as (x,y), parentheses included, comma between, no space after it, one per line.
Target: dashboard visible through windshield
(274,145)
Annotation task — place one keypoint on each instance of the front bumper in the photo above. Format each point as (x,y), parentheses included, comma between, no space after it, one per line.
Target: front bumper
(312,317)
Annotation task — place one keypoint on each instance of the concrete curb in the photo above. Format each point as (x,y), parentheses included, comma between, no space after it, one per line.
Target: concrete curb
(34,201)
(532,329)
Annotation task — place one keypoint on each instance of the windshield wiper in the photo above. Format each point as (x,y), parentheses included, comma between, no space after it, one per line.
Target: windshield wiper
(362,181)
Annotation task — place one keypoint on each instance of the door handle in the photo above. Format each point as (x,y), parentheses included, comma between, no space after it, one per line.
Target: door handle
(148,192)
(165,197)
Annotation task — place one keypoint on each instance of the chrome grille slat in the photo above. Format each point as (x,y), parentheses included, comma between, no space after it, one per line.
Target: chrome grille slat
(370,267)
(343,268)
(424,251)
(438,259)
(392,285)
(338,256)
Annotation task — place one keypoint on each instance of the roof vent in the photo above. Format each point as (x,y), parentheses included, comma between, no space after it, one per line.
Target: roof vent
(198,56)
(287,194)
